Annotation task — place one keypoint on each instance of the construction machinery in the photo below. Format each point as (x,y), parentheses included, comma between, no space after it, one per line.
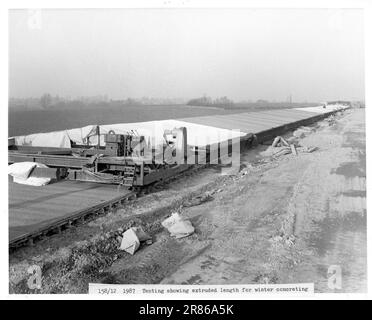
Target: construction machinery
(125,159)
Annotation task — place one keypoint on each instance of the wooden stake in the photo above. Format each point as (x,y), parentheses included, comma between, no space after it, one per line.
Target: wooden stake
(276,141)
(293,148)
(283,141)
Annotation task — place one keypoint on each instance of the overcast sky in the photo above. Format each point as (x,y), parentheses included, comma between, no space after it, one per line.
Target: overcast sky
(245,54)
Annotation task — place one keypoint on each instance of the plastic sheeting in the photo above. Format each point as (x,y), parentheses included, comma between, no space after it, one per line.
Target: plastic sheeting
(177,226)
(58,139)
(197,135)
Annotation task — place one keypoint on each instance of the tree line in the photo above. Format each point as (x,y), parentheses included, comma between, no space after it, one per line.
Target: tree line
(208,101)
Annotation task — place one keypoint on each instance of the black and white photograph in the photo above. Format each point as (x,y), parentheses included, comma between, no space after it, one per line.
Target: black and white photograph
(186,152)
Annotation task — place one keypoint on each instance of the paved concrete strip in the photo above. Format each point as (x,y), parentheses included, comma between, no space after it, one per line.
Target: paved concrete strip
(32,209)
(254,122)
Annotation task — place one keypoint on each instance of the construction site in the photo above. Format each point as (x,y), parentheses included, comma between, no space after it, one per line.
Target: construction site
(255,197)
(186,151)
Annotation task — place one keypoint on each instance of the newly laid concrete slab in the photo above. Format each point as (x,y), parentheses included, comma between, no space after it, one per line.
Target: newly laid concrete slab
(32,209)
(255,122)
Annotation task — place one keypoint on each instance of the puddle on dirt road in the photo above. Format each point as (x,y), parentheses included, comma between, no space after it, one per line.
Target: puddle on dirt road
(329,232)
(340,237)
(354,193)
(343,243)
(355,140)
(350,170)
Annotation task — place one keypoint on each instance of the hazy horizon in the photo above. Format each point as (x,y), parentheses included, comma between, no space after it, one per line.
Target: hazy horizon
(244,54)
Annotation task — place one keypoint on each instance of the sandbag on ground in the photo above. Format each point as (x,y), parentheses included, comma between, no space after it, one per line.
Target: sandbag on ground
(178,226)
(132,238)
(21,171)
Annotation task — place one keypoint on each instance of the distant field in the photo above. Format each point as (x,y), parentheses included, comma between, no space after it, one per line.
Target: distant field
(23,122)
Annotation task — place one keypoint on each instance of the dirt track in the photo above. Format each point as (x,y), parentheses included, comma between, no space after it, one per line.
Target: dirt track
(294,221)
(277,221)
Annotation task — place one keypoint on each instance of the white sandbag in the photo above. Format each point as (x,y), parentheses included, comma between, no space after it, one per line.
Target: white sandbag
(21,170)
(132,238)
(181,229)
(33,181)
(178,226)
(130,242)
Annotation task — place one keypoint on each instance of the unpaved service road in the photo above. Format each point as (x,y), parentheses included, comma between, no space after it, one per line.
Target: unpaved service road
(287,221)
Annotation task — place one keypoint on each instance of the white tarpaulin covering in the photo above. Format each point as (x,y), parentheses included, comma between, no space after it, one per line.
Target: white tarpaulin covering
(57,139)
(197,135)
(81,135)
